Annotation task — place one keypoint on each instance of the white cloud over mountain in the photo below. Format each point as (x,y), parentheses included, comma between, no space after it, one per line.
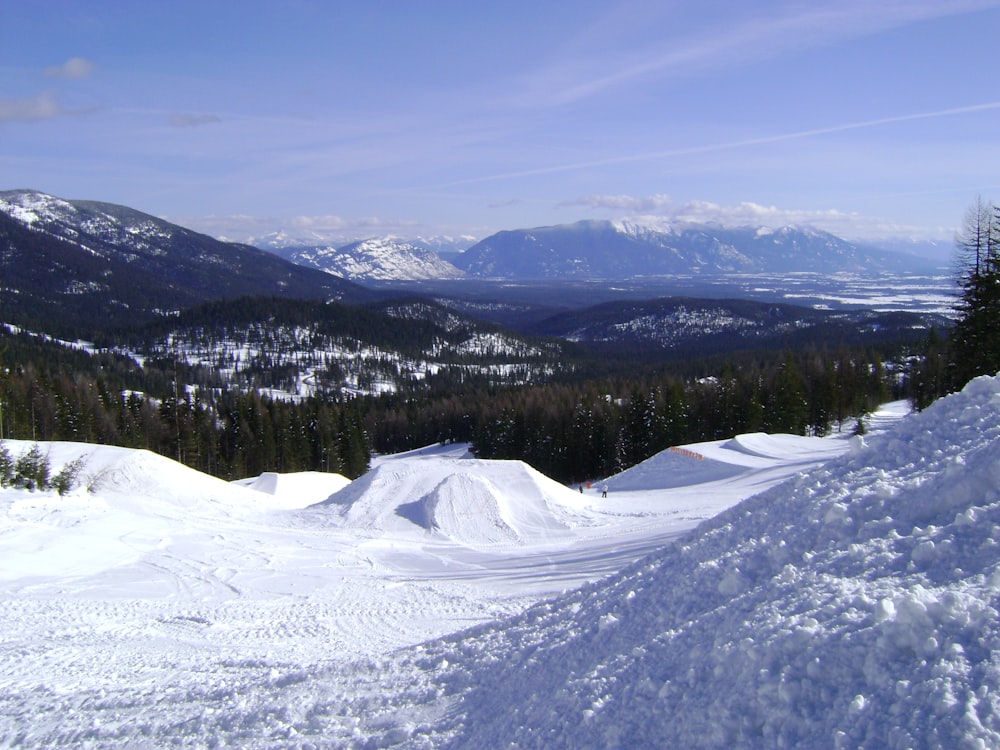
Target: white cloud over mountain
(659,209)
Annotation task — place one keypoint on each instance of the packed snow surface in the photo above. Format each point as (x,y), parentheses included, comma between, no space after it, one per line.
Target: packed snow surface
(762,591)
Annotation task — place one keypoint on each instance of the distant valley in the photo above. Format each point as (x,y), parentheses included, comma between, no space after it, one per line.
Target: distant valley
(380,315)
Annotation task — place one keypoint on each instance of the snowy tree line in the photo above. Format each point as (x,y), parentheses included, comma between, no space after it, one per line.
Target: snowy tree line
(571,431)
(578,431)
(227,433)
(972,347)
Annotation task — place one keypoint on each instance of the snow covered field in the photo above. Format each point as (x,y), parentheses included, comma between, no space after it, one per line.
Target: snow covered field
(853,605)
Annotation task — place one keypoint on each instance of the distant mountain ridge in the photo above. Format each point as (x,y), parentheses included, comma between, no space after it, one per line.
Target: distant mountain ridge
(91,263)
(193,263)
(610,250)
(589,250)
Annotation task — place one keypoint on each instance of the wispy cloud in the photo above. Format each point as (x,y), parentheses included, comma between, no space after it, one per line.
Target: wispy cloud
(331,228)
(252,228)
(659,210)
(73,69)
(628,203)
(728,145)
(506,203)
(192,121)
(44,106)
(729,40)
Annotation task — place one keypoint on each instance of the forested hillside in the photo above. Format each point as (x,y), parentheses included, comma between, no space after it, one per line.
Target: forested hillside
(51,392)
(570,428)
(305,348)
(585,430)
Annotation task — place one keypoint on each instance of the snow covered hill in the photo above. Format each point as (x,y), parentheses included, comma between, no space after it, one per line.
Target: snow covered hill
(762,591)
(377,258)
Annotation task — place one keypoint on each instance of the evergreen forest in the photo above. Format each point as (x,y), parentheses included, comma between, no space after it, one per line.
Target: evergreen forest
(570,428)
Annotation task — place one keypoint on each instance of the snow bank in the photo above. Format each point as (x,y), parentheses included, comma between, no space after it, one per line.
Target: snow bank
(853,606)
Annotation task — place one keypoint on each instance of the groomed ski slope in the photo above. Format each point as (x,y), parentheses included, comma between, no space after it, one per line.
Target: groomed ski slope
(852,605)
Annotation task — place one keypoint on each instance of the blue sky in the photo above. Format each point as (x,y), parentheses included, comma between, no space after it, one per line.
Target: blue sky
(352,119)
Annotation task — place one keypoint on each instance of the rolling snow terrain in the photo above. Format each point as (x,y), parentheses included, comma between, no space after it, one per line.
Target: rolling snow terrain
(849,600)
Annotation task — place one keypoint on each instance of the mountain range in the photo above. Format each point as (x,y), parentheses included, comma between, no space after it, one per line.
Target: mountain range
(74,268)
(95,263)
(587,250)
(611,250)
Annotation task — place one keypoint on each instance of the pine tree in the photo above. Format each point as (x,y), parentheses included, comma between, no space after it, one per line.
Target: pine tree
(975,340)
(788,408)
(928,376)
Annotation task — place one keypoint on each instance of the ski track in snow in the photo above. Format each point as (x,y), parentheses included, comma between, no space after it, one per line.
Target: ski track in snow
(170,608)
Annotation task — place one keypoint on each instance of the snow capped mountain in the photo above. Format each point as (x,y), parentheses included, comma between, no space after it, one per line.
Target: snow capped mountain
(584,250)
(609,250)
(284,241)
(447,246)
(107,230)
(31,207)
(99,262)
(376,259)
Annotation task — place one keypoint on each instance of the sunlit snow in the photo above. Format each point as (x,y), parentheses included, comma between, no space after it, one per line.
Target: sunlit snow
(848,601)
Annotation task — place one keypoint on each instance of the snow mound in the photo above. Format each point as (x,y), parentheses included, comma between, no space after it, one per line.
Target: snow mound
(730,460)
(296,490)
(855,605)
(128,503)
(144,473)
(468,509)
(470,501)
(673,468)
